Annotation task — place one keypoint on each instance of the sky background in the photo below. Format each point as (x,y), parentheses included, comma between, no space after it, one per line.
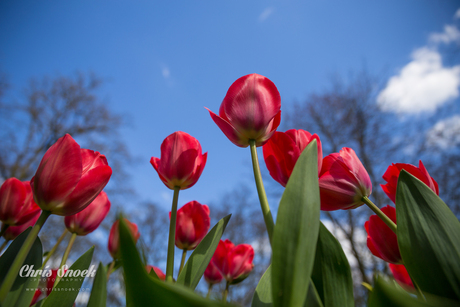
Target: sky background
(165,61)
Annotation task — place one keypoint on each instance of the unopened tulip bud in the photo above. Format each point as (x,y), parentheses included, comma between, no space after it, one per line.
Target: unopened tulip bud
(114,238)
(17,205)
(233,262)
(192,225)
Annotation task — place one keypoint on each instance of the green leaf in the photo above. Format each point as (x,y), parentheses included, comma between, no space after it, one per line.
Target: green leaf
(20,295)
(199,259)
(428,238)
(67,289)
(296,232)
(143,290)
(331,272)
(263,294)
(99,291)
(313,299)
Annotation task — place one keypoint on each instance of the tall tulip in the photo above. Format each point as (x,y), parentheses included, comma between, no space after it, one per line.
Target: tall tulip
(181,162)
(392,174)
(114,237)
(381,241)
(87,220)
(343,181)
(69,178)
(233,262)
(17,205)
(284,148)
(192,225)
(251,110)
(401,275)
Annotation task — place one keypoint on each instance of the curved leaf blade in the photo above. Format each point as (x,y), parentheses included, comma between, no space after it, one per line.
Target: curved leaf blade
(99,291)
(263,294)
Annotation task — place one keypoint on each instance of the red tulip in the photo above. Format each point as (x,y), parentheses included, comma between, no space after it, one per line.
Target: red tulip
(69,178)
(343,181)
(192,225)
(392,174)
(13,231)
(157,270)
(17,204)
(284,148)
(212,274)
(251,110)
(37,294)
(114,239)
(181,162)
(233,262)
(87,220)
(401,276)
(381,240)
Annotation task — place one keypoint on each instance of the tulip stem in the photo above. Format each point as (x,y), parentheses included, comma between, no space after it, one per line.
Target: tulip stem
(64,258)
(261,191)
(4,230)
(53,250)
(109,270)
(380,214)
(3,245)
(21,256)
(224,296)
(172,236)
(182,262)
(209,290)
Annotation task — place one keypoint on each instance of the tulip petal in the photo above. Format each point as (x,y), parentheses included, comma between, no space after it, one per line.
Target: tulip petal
(201,162)
(12,197)
(230,132)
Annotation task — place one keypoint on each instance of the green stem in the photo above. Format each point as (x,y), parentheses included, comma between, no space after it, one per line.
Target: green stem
(4,245)
(209,290)
(261,191)
(380,214)
(224,296)
(53,250)
(172,236)
(182,262)
(4,230)
(64,258)
(21,256)
(109,270)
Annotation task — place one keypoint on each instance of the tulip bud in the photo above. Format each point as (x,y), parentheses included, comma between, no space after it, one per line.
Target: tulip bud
(114,239)
(157,270)
(181,162)
(343,181)
(17,205)
(284,148)
(212,274)
(87,220)
(381,240)
(233,262)
(251,110)
(69,178)
(192,225)
(401,275)
(392,174)
(13,231)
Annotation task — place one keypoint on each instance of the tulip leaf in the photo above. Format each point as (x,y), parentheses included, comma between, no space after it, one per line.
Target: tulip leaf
(296,232)
(428,238)
(263,294)
(201,256)
(313,299)
(99,291)
(331,272)
(21,293)
(143,290)
(67,289)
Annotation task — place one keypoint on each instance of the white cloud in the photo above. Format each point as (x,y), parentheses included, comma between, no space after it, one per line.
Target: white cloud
(457,14)
(422,85)
(450,34)
(445,133)
(165,72)
(266,13)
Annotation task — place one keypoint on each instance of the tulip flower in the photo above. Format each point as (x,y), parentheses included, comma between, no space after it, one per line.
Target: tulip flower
(37,294)
(157,271)
(392,174)
(87,220)
(192,225)
(17,204)
(212,274)
(251,110)
(233,262)
(114,239)
(12,232)
(181,162)
(381,240)
(69,178)
(343,181)
(401,276)
(284,148)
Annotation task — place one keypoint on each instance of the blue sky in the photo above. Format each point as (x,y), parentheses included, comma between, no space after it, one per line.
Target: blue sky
(165,61)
